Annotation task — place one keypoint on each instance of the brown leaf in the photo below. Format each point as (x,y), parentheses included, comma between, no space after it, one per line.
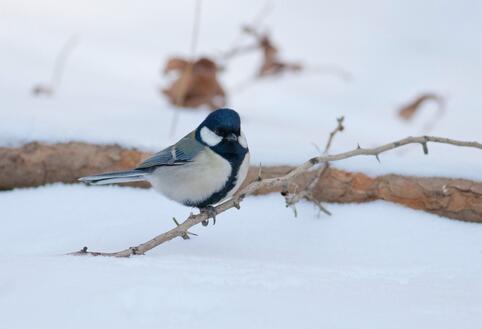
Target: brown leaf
(271,64)
(196,83)
(175,64)
(408,111)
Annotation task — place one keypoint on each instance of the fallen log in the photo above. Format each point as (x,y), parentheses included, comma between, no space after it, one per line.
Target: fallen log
(36,164)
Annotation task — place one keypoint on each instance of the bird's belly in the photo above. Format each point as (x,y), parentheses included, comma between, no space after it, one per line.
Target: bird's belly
(193,182)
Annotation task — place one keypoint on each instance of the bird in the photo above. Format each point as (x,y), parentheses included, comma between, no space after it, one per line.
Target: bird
(203,168)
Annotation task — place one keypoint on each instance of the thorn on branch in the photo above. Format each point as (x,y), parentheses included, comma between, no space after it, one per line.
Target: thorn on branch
(425,148)
(236,204)
(259,173)
(185,234)
(378,158)
(340,120)
(295,211)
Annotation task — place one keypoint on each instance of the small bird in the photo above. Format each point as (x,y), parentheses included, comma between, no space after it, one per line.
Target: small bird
(205,167)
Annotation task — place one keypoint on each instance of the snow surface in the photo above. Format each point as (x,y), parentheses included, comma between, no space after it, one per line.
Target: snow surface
(369,266)
(374,265)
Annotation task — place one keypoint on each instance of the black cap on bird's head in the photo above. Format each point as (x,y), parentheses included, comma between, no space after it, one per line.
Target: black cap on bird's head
(223,121)
(221,125)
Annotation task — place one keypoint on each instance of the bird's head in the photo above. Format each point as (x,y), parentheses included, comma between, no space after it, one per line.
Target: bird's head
(221,131)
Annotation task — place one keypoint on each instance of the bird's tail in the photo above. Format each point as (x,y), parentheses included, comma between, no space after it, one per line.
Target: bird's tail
(115,177)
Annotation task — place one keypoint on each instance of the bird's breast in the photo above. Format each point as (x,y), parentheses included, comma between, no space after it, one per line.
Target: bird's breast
(195,181)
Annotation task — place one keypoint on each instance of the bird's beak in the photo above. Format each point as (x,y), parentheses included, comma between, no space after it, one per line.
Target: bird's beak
(231,137)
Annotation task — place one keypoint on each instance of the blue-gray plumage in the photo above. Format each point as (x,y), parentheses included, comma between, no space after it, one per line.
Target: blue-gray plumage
(200,170)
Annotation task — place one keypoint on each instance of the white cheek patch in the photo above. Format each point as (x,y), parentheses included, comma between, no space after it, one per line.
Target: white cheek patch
(242,141)
(209,137)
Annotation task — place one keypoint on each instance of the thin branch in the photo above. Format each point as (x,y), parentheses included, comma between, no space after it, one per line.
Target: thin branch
(186,74)
(306,193)
(234,202)
(236,49)
(195,29)
(61,60)
(339,128)
(58,69)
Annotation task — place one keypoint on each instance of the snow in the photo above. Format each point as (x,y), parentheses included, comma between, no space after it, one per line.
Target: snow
(398,269)
(373,265)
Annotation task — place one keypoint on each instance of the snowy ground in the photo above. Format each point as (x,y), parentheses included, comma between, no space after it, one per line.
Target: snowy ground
(397,269)
(369,266)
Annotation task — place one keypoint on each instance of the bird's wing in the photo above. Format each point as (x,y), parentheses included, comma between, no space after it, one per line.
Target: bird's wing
(175,155)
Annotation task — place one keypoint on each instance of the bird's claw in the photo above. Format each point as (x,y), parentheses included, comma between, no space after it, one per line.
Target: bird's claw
(211,211)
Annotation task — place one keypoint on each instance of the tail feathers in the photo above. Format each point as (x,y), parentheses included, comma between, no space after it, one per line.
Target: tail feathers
(115,177)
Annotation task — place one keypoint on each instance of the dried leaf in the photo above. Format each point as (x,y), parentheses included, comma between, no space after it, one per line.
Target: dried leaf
(196,83)
(175,64)
(408,111)
(271,64)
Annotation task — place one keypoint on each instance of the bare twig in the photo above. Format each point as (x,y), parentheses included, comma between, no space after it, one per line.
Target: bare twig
(306,193)
(58,70)
(236,49)
(234,202)
(339,128)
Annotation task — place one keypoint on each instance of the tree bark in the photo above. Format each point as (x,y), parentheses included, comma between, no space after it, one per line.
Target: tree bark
(37,164)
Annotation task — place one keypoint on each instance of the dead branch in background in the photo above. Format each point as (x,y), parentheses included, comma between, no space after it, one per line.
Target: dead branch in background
(196,81)
(36,164)
(236,48)
(48,89)
(272,65)
(408,111)
(270,183)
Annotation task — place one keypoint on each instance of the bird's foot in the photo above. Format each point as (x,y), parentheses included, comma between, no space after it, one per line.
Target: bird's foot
(211,211)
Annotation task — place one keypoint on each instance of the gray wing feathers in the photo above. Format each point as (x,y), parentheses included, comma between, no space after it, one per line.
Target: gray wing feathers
(114,177)
(178,154)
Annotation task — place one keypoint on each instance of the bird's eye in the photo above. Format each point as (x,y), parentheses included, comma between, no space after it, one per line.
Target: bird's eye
(218,132)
